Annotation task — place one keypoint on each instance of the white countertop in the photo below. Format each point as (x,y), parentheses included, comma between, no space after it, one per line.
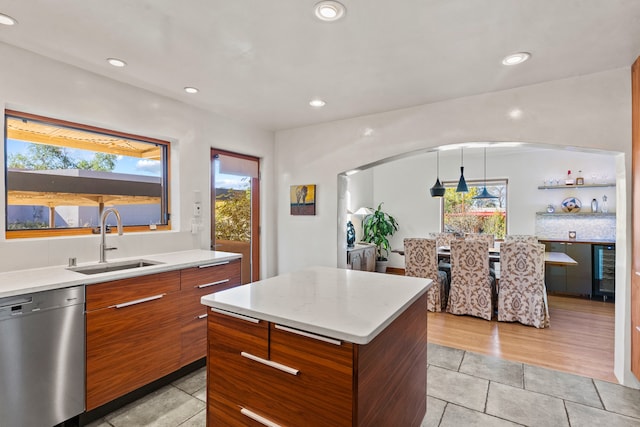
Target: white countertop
(350,305)
(20,282)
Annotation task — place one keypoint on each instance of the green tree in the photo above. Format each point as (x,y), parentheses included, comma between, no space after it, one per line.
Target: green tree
(51,157)
(233,216)
(99,162)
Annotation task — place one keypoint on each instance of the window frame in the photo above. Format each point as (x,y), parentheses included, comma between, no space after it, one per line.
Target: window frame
(165,200)
(479,183)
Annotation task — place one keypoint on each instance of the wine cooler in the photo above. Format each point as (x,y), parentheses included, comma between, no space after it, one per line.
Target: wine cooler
(604,271)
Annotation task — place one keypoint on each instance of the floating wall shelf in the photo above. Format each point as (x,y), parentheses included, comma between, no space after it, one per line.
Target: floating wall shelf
(571,214)
(555,187)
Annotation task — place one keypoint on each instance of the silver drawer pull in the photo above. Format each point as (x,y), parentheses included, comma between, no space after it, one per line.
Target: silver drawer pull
(206,285)
(283,368)
(309,335)
(236,315)
(202,316)
(215,264)
(258,418)
(138,301)
(638,328)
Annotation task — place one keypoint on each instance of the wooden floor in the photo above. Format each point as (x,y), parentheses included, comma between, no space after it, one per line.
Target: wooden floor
(580,339)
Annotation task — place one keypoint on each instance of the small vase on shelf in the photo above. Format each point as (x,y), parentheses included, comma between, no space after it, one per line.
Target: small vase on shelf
(604,208)
(579,179)
(569,180)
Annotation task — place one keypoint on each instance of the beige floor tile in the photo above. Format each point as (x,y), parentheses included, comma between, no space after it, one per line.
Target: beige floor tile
(166,407)
(461,389)
(561,384)
(525,407)
(493,368)
(585,416)
(457,416)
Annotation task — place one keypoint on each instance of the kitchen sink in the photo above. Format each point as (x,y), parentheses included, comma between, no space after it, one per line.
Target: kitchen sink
(113,266)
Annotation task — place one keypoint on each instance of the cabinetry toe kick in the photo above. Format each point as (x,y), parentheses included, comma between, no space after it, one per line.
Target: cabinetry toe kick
(279,366)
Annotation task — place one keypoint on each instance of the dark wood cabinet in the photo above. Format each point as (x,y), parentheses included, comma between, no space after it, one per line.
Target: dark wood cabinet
(133,334)
(261,372)
(195,283)
(142,328)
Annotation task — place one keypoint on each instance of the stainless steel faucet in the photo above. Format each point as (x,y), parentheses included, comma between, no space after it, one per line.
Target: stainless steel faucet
(103,226)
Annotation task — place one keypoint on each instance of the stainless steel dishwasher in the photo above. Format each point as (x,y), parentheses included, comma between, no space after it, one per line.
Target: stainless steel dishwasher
(42,357)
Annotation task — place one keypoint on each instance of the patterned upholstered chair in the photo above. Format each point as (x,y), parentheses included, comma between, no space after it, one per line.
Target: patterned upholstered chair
(523,295)
(471,289)
(527,238)
(444,239)
(489,239)
(421,260)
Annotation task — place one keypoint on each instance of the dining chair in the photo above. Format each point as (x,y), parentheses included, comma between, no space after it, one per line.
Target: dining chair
(489,239)
(421,260)
(443,239)
(522,296)
(471,291)
(527,238)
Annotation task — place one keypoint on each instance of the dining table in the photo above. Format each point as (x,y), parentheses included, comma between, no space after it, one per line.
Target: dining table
(551,258)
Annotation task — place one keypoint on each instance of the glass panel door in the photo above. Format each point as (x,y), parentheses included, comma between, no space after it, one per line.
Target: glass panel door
(235,198)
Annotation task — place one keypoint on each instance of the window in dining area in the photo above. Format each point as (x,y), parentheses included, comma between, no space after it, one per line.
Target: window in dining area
(461,213)
(61,175)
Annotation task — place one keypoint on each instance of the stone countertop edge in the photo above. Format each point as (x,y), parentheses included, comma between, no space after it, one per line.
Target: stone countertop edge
(20,282)
(578,240)
(296,309)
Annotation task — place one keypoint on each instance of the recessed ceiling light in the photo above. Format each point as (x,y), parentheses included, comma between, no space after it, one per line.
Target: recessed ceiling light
(116,62)
(317,103)
(329,10)
(516,58)
(7,20)
(189,89)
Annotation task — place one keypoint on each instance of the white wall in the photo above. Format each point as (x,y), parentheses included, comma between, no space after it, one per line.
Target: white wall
(403,185)
(39,85)
(591,111)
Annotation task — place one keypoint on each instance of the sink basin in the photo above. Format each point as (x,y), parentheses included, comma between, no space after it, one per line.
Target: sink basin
(113,266)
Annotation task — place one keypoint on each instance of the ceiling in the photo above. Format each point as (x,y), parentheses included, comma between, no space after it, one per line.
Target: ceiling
(261,62)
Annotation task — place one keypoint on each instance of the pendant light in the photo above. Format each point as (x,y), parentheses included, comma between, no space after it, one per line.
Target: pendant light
(462,184)
(484,194)
(438,189)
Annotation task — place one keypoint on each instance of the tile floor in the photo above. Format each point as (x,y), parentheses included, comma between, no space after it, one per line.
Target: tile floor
(463,389)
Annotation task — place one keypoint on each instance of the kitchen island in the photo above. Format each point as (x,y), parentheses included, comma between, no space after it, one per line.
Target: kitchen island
(318,347)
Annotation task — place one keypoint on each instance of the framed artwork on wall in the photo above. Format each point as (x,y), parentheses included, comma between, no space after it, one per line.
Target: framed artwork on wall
(303,199)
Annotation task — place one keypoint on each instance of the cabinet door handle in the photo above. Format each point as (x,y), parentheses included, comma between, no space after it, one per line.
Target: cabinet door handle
(271,363)
(236,315)
(309,335)
(638,328)
(206,285)
(202,316)
(138,301)
(258,418)
(215,264)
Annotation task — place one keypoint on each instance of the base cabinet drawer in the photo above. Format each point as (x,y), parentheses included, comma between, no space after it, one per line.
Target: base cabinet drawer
(130,346)
(195,283)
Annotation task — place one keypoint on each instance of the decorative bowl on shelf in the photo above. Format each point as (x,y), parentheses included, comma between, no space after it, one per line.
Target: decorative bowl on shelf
(571,204)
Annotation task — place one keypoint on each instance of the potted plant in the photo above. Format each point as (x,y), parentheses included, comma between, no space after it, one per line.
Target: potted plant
(376,229)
